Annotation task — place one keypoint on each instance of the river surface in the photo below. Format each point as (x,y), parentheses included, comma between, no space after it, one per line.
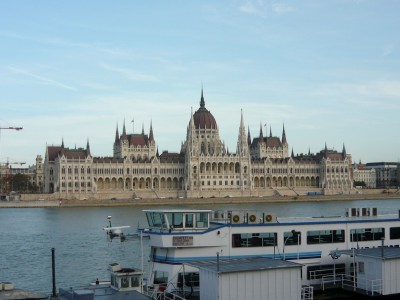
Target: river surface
(83,251)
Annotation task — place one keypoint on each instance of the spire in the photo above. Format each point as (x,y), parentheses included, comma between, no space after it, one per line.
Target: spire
(292,153)
(326,151)
(124,132)
(151,137)
(142,128)
(88,148)
(284,135)
(202,103)
(158,155)
(116,135)
(62,143)
(344,152)
(242,146)
(261,134)
(248,136)
(270,131)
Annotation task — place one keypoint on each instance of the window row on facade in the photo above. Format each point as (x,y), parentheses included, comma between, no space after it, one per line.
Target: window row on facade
(270,239)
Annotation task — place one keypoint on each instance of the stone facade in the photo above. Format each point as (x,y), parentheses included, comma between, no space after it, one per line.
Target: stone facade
(386,174)
(366,175)
(203,168)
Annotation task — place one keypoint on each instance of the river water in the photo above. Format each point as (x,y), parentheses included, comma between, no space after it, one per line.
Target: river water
(83,251)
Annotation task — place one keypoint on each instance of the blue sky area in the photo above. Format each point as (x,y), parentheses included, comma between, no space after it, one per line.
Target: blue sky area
(74,70)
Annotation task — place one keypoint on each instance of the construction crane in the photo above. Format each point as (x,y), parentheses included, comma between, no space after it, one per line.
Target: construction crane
(7,165)
(12,128)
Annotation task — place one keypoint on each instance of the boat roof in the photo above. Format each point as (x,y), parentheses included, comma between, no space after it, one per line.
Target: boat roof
(333,219)
(234,265)
(387,253)
(177,210)
(101,293)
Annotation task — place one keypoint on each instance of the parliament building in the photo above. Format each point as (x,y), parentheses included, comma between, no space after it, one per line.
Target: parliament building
(260,166)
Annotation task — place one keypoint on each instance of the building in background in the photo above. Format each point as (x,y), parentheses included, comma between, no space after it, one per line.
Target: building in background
(364,177)
(204,167)
(386,174)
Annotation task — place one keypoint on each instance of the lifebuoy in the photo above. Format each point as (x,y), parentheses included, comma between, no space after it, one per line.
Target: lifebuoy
(268,218)
(236,218)
(252,218)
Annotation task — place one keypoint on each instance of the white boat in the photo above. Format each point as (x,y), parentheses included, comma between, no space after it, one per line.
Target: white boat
(115,231)
(179,236)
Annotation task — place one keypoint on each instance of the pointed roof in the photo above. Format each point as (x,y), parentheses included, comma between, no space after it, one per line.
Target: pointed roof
(151,137)
(270,131)
(261,133)
(62,142)
(124,132)
(117,136)
(87,147)
(202,103)
(203,119)
(248,136)
(284,135)
(292,153)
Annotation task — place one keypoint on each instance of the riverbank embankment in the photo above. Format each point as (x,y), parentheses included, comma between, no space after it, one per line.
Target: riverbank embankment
(193,201)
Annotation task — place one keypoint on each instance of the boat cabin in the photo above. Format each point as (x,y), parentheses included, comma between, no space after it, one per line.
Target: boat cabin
(125,279)
(178,219)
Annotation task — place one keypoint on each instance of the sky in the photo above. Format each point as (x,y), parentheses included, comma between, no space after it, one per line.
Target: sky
(329,71)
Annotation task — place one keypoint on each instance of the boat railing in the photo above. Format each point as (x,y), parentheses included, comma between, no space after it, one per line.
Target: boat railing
(159,292)
(307,292)
(319,274)
(371,287)
(331,281)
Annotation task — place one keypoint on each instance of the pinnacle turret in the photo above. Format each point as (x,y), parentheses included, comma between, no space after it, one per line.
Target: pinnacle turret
(151,135)
(284,135)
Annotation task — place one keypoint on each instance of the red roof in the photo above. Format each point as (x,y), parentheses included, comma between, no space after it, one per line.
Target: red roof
(271,142)
(138,139)
(56,151)
(204,119)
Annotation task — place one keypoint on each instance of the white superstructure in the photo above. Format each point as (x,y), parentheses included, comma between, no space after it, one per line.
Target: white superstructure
(181,236)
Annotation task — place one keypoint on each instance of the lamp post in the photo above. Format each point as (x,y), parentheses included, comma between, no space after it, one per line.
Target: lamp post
(294,232)
(334,256)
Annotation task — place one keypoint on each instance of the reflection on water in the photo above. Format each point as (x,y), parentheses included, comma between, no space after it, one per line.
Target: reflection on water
(82,249)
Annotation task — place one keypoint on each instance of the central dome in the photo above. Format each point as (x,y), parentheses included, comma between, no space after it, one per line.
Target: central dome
(203,118)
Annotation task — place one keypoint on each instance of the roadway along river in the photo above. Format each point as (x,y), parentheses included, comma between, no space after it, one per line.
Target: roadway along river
(82,249)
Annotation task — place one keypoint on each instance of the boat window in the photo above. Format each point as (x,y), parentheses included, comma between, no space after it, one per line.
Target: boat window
(325,236)
(155,219)
(268,239)
(265,239)
(160,277)
(367,234)
(292,238)
(361,267)
(175,219)
(191,279)
(113,281)
(395,233)
(125,282)
(189,220)
(202,220)
(135,281)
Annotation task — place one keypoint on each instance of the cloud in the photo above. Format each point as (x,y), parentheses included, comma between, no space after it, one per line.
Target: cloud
(42,79)
(130,74)
(259,8)
(387,50)
(281,8)
(249,8)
